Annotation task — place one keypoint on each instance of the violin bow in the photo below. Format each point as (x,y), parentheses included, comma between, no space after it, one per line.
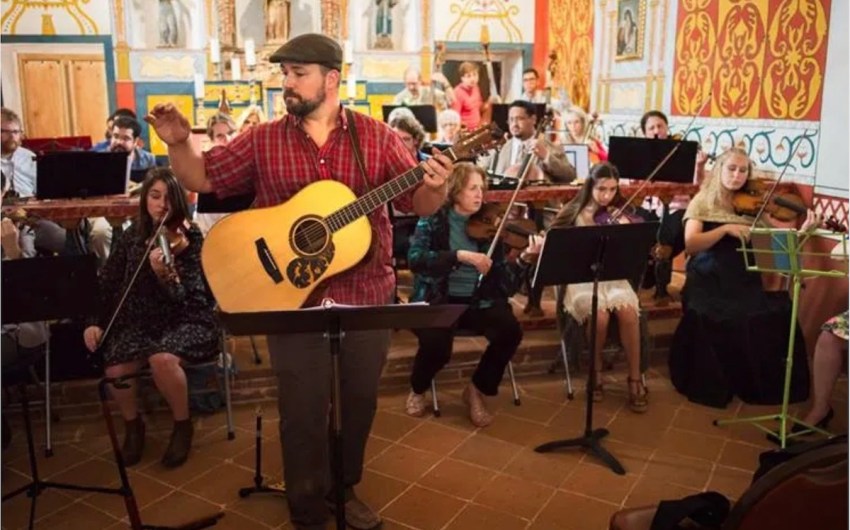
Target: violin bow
(531,158)
(779,178)
(150,246)
(619,211)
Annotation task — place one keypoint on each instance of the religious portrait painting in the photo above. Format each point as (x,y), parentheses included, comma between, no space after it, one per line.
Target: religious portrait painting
(631,18)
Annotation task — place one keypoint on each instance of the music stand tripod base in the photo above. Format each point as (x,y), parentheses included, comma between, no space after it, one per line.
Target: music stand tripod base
(593,254)
(781,250)
(589,441)
(258,487)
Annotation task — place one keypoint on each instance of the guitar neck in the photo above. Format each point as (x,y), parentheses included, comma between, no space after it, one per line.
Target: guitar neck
(379,196)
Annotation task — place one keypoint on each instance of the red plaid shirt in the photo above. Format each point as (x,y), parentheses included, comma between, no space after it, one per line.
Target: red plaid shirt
(275,160)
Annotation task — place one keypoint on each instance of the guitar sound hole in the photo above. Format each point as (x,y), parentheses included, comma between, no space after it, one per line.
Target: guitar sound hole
(309,236)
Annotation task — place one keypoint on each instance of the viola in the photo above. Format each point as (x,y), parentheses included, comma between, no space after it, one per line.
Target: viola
(484,224)
(784,206)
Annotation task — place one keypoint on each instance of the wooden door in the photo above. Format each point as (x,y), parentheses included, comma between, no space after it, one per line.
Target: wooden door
(45,106)
(63,95)
(88,99)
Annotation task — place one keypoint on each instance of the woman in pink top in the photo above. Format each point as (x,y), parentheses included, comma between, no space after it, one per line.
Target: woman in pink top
(468,100)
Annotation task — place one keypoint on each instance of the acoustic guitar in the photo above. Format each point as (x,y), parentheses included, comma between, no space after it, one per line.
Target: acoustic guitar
(272,259)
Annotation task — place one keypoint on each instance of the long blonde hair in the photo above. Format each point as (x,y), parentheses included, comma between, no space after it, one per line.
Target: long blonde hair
(713,203)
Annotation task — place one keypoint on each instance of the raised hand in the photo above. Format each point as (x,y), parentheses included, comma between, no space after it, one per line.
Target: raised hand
(170,125)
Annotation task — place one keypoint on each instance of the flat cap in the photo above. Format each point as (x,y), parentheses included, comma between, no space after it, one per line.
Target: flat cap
(310,48)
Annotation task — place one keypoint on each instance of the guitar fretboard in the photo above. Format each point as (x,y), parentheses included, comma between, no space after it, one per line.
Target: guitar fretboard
(378,197)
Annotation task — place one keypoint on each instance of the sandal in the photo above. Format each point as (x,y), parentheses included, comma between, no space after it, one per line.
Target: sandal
(415,405)
(638,400)
(478,413)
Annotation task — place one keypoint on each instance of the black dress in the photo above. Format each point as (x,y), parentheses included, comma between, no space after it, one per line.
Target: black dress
(157,317)
(733,336)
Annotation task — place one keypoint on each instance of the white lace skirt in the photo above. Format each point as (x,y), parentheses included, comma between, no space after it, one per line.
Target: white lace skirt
(614,294)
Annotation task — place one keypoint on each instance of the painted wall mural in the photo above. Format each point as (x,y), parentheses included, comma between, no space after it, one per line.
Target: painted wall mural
(507,20)
(758,59)
(571,37)
(55,17)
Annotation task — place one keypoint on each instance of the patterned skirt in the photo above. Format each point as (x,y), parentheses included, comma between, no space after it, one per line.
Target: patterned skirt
(837,325)
(192,342)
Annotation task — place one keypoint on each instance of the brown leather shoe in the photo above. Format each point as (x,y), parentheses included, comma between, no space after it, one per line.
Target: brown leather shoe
(181,442)
(134,441)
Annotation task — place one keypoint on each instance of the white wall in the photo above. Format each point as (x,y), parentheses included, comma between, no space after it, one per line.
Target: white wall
(833,168)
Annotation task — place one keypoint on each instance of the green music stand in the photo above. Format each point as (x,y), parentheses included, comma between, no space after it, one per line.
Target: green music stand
(781,250)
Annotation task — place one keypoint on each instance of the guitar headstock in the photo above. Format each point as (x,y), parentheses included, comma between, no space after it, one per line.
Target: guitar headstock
(439,54)
(477,141)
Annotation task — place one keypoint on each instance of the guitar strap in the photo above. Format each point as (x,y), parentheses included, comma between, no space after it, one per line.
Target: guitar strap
(358,157)
(355,145)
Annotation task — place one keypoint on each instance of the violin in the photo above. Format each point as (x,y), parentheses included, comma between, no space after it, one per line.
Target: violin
(608,215)
(484,225)
(172,240)
(783,206)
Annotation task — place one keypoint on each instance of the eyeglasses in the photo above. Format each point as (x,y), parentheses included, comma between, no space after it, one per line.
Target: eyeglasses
(11,131)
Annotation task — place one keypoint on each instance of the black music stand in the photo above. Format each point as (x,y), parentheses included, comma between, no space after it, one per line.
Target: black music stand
(334,320)
(49,288)
(593,254)
(81,174)
(637,158)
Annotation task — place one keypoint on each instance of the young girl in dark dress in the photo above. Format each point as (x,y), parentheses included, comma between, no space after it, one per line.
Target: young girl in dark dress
(166,319)
(733,336)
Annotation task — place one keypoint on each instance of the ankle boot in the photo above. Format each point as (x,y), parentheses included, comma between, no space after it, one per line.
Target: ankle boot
(134,441)
(179,445)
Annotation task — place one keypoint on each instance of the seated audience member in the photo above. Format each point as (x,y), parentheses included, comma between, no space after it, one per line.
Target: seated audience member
(104,145)
(733,335)
(416,93)
(220,130)
(125,135)
(448,123)
(19,166)
(166,319)
(446,264)
(530,92)
(615,297)
(830,353)
(576,124)
(250,117)
(411,134)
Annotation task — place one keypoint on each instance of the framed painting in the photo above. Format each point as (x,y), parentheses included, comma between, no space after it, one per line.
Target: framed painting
(631,25)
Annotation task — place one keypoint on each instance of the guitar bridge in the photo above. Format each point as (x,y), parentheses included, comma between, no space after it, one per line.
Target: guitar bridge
(268,261)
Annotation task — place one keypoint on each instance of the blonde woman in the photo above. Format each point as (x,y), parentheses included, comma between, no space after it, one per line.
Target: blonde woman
(576,123)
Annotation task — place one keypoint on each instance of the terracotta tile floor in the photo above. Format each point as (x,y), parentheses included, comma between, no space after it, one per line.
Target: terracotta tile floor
(428,474)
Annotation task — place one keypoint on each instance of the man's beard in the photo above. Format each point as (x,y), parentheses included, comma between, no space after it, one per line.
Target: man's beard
(303,107)
(9,146)
(117,148)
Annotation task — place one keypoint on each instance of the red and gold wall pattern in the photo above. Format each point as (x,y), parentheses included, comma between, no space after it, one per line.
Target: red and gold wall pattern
(571,37)
(757,58)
